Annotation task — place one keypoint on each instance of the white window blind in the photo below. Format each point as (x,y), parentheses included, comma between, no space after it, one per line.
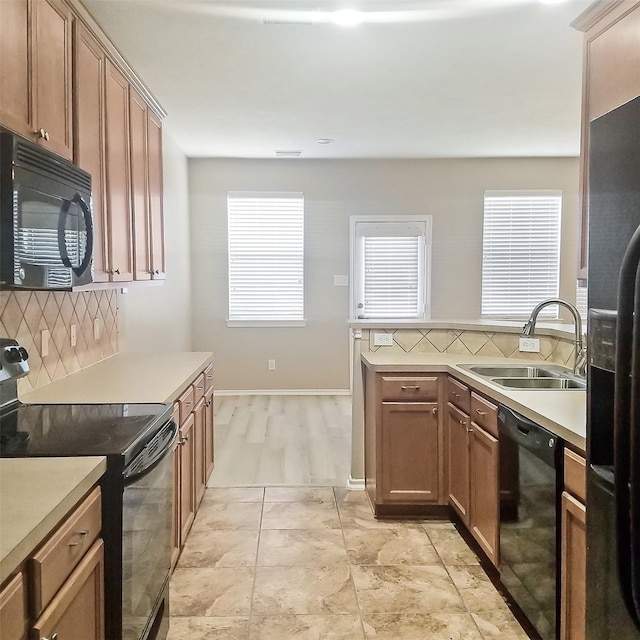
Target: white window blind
(390,268)
(521,251)
(266,256)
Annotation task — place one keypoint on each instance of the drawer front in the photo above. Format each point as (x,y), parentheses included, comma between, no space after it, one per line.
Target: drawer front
(575,474)
(411,388)
(484,414)
(199,387)
(13,609)
(208,376)
(55,561)
(459,395)
(186,402)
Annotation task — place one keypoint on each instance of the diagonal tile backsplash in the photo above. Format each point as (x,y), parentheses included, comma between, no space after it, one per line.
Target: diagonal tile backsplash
(24,315)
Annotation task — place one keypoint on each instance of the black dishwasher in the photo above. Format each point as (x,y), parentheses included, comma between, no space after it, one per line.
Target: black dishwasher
(530,484)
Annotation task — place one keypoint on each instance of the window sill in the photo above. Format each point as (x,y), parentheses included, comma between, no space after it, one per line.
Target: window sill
(251,324)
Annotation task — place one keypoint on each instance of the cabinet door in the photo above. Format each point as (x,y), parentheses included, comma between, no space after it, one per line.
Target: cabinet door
(175,526)
(88,137)
(409,452)
(485,492)
(15,72)
(458,461)
(77,611)
(199,478)
(208,433)
(156,211)
(13,609)
(51,74)
(187,494)
(117,163)
(574,560)
(139,185)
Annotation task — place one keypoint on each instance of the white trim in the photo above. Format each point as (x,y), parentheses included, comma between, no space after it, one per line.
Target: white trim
(355,484)
(266,323)
(281,392)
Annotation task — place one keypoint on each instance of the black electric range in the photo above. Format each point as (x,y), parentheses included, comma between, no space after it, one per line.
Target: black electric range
(137,488)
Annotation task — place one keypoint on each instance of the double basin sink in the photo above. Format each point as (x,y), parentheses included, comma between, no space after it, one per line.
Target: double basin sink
(528,377)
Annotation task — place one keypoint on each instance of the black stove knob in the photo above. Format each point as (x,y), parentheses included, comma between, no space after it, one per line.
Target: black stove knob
(24,353)
(12,355)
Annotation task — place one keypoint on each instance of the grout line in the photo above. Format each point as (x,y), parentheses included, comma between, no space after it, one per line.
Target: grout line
(255,567)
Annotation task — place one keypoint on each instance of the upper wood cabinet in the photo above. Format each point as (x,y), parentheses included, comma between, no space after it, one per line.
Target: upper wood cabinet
(36,71)
(156,199)
(611,78)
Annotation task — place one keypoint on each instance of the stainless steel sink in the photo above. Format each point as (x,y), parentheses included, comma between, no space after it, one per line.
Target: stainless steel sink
(541,383)
(518,371)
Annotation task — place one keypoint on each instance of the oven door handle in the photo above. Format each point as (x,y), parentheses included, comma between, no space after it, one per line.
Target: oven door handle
(152,463)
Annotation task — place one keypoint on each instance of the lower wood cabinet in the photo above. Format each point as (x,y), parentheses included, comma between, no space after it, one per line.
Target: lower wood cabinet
(574,549)
(458,461)
(186,487)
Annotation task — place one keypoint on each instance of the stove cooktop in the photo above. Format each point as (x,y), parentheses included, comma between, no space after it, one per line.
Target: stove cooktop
(119,430)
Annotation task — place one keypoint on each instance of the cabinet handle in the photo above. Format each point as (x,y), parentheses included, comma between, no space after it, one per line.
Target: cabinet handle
(157,271)
(183,440)
(82,534)
(54,636)
(455,394)
(42,134)
(410,387)
(113,271)
(481,413)
(434,411)
(462,422)
(469,430)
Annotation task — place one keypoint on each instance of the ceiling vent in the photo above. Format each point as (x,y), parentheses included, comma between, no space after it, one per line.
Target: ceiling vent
(288,154)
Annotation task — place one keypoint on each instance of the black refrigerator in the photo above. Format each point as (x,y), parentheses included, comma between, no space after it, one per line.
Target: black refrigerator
(613,392)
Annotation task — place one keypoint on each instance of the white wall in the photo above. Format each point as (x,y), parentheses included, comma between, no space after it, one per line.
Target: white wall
(317,356)
(153,318)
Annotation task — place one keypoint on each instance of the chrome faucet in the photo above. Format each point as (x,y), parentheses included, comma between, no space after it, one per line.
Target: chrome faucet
(580,363)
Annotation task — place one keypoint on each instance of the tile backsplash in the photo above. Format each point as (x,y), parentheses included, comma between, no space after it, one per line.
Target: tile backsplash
(464,342)
(25,314)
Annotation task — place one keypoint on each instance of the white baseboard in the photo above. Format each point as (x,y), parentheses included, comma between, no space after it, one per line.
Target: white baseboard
(355,484)
(282,392)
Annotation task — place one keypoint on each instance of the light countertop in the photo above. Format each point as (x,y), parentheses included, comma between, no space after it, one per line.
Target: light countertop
(35,495)
(125,378)
(562,412)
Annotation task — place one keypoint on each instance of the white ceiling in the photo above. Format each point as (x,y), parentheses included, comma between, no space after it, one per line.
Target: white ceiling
(419,79)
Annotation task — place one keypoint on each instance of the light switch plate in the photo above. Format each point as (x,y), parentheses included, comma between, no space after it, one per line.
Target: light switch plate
(73,333)
(530,345)
(382,339)
(340,281)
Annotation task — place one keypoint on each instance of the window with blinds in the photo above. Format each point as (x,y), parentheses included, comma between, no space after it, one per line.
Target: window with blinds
(266,257)
(390,267)
(521,251)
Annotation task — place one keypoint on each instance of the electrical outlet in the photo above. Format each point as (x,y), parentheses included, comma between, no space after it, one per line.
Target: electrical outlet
(271,365)
(382,339)
(44,342)
(96,329)
(74,335)
(530,345)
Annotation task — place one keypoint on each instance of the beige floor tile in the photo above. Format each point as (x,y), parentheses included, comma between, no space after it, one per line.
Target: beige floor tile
(291,590)
(301,547)
(343,494)
(211,548)
(451,548)
(476,590)
(231,495)
(358,515)
(230,628)
(211,592)
(299,494)
(300,515)
(390,546)
(229,517)
(306,627)
(415,626)
(499,624)
(406,589)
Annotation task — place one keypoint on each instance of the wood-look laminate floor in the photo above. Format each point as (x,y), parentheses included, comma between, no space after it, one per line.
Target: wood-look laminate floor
(282,440)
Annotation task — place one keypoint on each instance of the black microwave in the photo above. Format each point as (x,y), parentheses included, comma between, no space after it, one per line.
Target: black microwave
(46,228)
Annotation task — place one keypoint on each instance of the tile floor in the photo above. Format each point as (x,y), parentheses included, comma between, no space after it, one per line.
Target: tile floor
(312,563)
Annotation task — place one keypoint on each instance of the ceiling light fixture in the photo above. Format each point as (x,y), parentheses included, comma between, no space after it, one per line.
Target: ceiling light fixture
(324,140)
(347,17)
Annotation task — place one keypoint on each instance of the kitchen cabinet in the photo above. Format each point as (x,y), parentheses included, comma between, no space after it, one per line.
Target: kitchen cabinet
(574,548)
(208,433)
(59,589)
(36,73)
(473,464)
(156,199)
(611,78)
(403,442)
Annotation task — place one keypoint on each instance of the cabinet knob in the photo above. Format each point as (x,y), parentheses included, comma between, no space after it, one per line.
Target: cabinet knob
(157,271)
(455,395)
(42,134)
(462,422)
(54,636)
(469,430)
(434,411)
(183,440)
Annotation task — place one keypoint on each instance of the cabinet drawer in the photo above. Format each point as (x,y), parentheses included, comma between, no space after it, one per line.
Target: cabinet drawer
(208,376)
(575,478)
(407,389)
(199,387)
(55,561)
(13,609)
(459,395)
(484,414)
(186,402)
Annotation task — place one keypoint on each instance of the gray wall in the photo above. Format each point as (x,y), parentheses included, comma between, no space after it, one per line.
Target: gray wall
(159,317)
(317,356)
